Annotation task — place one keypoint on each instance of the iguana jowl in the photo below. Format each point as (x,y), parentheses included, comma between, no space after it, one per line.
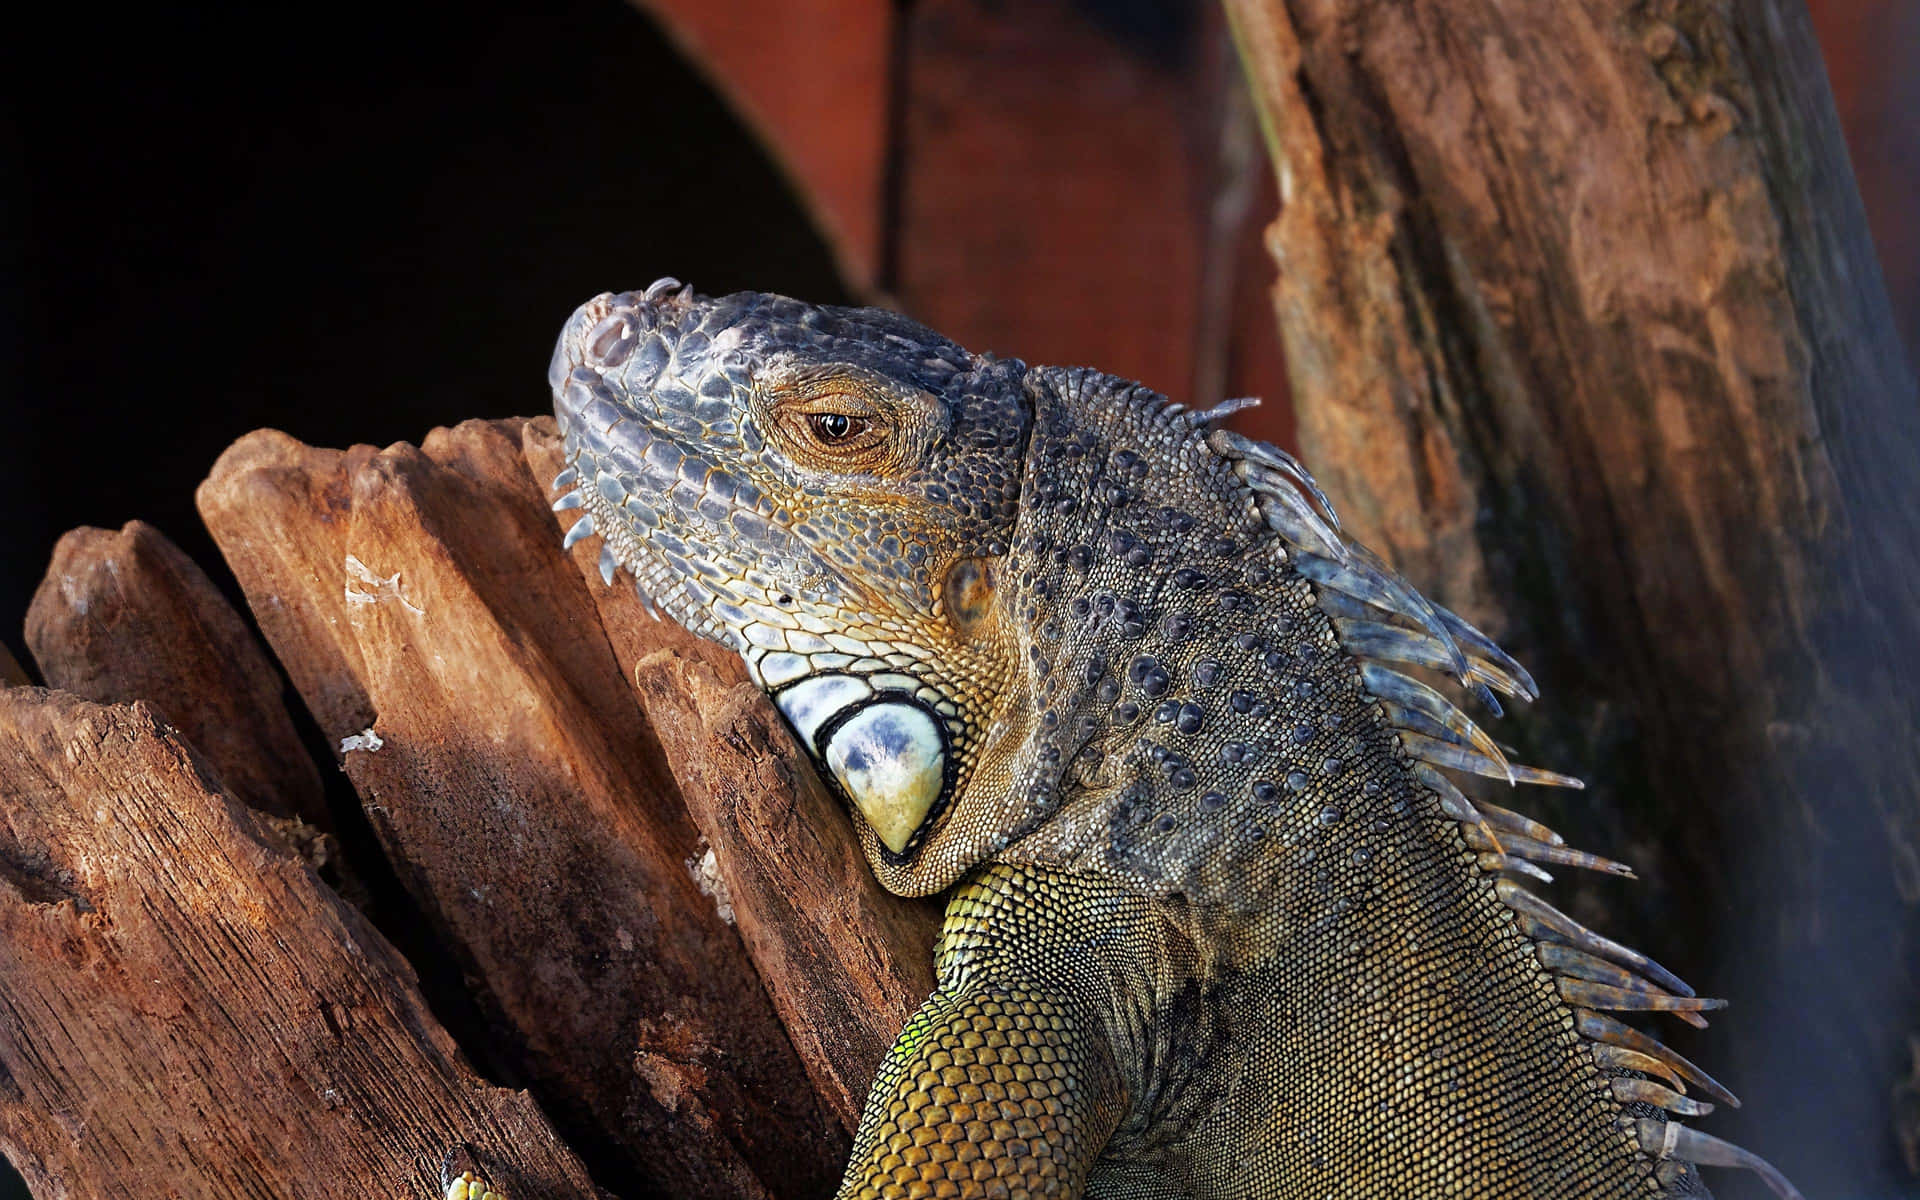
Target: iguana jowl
(1220,926)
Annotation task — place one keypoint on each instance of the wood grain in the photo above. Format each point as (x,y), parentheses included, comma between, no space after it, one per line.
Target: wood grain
(187,1011)
(1587,335)
(126,616)
(425,611)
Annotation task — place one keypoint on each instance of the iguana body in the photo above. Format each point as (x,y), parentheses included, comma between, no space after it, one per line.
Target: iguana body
(1221,928)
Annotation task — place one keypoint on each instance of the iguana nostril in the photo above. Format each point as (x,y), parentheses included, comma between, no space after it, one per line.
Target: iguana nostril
(611,341)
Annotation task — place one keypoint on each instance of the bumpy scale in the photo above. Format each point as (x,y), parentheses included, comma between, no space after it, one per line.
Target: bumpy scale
(1221,925)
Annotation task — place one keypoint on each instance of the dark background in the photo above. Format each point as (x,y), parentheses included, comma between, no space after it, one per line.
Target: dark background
(353,230)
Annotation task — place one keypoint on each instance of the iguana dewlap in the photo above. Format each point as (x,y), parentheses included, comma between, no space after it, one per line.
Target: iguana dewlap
(1220,926)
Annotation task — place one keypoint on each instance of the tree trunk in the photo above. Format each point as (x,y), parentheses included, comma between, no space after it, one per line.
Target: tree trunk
(1587,336)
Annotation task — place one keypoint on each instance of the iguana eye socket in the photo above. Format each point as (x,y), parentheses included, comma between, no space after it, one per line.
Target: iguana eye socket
(840,420)
(837,430)
(846,429)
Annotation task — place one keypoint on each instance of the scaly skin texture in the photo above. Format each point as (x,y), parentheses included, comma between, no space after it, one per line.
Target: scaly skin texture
(1220,926)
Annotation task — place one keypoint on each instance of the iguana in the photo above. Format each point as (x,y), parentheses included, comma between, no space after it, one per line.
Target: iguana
(1220,925)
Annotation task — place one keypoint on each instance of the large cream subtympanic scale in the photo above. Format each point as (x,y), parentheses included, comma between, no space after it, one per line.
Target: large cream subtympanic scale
(882,746)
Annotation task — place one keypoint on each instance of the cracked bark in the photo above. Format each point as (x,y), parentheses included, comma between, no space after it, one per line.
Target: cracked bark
(125,616)
(1586,335)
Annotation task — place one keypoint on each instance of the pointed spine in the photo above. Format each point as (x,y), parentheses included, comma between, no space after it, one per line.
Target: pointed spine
(1495,863)
(1288,515)
(1506,820)
(1620,1058)
(1231,445)
(1391,686)
(1459,758)
(1599,1028)
(1646,1091)
(1364,577)
(1542,852)
(1540,920)
(582,528)
(1670,1139)
(1223,410)
(1364,637)
(1453,802)
(1584,993)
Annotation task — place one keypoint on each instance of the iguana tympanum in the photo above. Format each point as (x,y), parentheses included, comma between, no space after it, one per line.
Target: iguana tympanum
(1219,924)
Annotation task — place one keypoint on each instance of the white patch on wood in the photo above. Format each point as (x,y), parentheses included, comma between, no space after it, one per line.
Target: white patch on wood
(384,587)
(705,869)
(366,740)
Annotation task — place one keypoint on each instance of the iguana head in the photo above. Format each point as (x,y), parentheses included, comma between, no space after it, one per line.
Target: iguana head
(1010,611)
(830,492)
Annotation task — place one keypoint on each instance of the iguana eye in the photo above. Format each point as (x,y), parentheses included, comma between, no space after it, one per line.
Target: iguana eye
(836,431)
(833,427)
(840,422)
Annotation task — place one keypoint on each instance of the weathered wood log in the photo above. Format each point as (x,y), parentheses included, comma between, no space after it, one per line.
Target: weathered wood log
(845,961)
(186,1010)
(520,776)
(126,616)
(1586,334)
(420,602)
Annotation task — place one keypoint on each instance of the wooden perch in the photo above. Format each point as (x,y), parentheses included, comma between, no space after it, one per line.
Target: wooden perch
(840,956)
(532,794)
(185,1010)
(126,616)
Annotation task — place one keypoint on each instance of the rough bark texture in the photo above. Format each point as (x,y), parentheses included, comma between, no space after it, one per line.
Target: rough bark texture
(500,758)
(519,779)
(186,1010)
(126,616)
(846,963)
(1586,335)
